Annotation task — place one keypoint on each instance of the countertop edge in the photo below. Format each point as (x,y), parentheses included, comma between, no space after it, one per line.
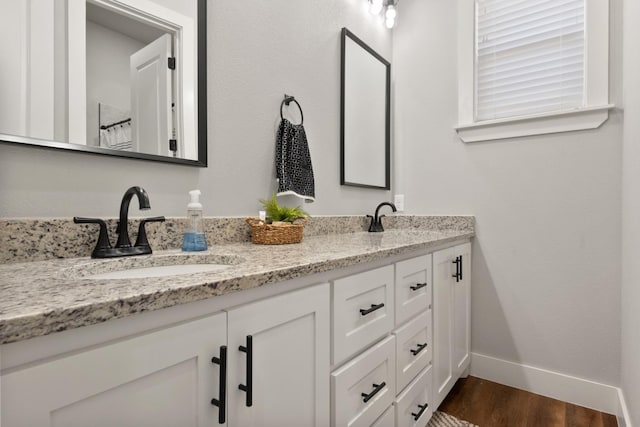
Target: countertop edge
(46,322)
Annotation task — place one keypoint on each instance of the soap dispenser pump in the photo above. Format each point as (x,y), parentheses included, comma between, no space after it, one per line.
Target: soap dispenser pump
(194,238)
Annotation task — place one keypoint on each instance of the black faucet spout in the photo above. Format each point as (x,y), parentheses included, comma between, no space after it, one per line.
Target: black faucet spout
(393,207)
(376,220)
(123,231)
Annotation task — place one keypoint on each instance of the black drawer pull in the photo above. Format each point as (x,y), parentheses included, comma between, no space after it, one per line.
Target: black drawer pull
(423,408)
(419,349)
(221,402)
(377,387)
(458,263)
(373,308)
(248,388)
(418,286)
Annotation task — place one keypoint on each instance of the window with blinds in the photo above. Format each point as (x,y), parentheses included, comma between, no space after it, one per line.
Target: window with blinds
(529,57)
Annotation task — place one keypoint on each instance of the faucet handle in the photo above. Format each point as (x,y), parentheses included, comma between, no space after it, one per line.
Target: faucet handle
(373,226)
(103,238)
(141,240)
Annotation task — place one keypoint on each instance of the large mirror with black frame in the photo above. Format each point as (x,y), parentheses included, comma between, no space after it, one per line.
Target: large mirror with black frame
(364,115)
(122,78)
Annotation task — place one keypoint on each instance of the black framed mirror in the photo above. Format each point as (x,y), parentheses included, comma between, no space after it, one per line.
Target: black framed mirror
(123,78)
(365,118)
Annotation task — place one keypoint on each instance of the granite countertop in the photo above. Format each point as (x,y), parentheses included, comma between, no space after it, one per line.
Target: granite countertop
(39,298)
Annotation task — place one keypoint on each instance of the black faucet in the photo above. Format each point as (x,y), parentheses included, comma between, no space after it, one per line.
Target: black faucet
(376,221)
(122,230)
(123,247)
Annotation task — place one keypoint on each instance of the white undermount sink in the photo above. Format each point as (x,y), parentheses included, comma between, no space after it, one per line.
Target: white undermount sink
(151,266)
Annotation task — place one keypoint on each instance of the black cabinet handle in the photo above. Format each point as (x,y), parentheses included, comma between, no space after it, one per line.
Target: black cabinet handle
(419,349)
(461,267)
(423,408)
(376,388)
(373,308)
(418,286)
(248,388)
(221,402)
(458,274)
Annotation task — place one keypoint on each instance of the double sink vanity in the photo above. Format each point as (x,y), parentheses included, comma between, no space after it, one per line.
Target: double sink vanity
(346,328)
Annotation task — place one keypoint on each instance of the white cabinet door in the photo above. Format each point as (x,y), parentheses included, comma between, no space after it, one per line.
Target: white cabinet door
(163,378)
(451,317)
(462,311)
(284,363)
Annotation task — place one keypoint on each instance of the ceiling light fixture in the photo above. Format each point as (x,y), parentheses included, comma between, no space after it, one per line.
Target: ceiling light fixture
(386,7)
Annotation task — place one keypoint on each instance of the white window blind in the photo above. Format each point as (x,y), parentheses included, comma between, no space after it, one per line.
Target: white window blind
(530,57)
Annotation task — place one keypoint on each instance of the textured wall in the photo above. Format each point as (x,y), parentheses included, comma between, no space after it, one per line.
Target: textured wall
(546,260)
(631,215)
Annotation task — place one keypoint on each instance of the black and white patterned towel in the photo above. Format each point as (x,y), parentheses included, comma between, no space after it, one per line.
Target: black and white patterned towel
(293,162)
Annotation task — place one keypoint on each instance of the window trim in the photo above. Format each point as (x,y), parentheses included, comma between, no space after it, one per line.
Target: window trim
(592,116)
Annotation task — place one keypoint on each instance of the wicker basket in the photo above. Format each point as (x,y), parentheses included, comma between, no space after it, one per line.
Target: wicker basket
(275,234)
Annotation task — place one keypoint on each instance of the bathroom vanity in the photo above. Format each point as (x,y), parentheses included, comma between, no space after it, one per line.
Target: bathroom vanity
(352,329)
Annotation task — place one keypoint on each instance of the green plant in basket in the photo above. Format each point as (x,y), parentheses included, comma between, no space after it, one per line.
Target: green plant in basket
(277,213)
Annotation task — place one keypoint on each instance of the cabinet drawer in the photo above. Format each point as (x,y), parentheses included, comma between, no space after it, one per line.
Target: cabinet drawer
(410,405)
(362,311)
(388,419)
(358,381)
(413,349)
(413,287)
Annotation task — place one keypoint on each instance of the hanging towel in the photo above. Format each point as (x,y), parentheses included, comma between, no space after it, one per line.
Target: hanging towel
(293,162)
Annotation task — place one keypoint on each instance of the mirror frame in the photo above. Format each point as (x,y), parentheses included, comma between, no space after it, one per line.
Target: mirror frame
(201,114)
(346,33)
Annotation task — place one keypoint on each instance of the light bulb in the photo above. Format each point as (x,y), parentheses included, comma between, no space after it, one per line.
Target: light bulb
(375,6)
(390,22)
(391,12)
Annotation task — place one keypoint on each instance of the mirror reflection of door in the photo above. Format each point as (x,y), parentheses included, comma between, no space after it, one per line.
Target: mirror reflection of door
(69,79)
(129,83)
(151,117)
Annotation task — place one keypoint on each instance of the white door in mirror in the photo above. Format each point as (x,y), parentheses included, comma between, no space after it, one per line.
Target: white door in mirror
(151,117)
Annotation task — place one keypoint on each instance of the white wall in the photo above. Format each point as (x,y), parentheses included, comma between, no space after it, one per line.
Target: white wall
(28,101)
(13,80)
(257,52)
(546,260)
(108,73)
(631,214)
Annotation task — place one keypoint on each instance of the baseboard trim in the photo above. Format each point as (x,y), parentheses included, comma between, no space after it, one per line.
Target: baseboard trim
(624,420)
(601,397)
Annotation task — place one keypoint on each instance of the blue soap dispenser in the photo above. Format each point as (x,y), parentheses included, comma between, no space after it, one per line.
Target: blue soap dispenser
(194,238)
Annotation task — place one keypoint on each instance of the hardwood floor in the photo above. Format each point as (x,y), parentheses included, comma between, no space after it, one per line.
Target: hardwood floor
(490,404)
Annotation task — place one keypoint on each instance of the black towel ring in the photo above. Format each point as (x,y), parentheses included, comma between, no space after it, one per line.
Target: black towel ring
(286,101)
